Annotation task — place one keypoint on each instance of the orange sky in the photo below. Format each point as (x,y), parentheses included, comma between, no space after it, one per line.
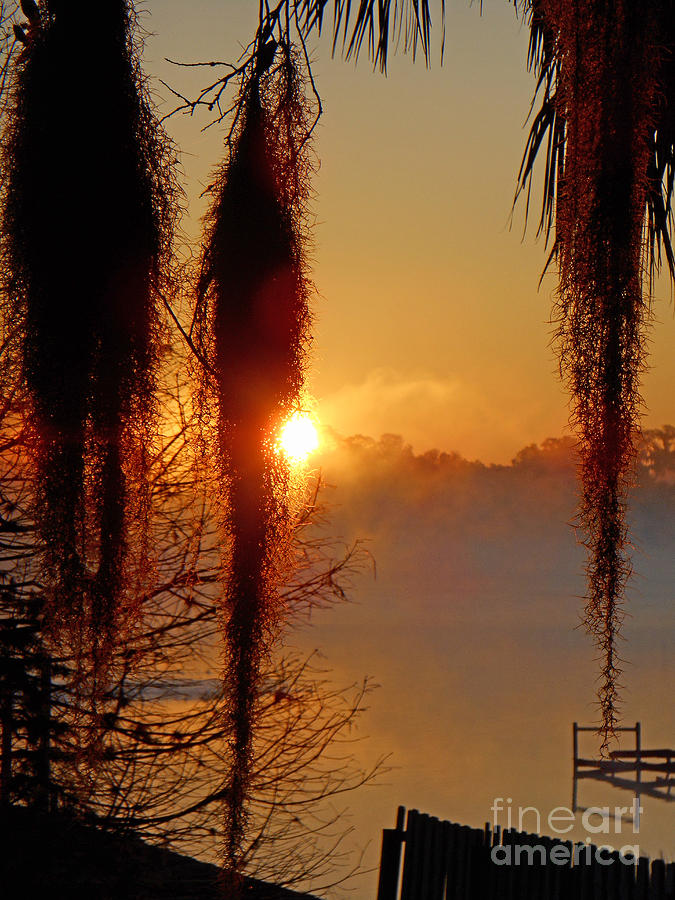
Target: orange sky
(429,322)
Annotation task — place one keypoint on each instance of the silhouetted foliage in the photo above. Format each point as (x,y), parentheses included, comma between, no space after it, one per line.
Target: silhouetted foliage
(377,25)
(605,73)
(90,630)
(252,321)
(159,762)
(87,222)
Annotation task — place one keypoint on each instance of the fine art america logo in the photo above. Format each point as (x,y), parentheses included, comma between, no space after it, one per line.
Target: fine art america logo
(562,820)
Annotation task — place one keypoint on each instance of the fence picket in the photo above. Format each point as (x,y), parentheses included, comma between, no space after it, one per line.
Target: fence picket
(425,859)
(450,836)
(410,858)
(658,880)
(437,871)
(447,861)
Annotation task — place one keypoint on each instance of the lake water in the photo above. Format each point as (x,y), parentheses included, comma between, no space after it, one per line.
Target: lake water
(471,629)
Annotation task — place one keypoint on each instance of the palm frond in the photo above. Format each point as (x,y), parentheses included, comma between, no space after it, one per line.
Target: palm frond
(661,167)
(377,25)
(547,130)
(547,125)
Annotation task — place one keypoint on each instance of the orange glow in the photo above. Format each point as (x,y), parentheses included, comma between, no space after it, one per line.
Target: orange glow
(299,437)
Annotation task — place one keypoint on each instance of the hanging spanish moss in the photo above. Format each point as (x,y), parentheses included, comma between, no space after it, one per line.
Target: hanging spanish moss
(609,131)
(252,323)
(88,216)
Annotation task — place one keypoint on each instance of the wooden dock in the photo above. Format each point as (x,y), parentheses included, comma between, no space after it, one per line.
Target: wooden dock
(621,764)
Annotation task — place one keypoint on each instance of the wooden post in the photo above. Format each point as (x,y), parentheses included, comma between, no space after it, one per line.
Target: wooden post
(411,862)
(638,759)
(575,756)
(390,858)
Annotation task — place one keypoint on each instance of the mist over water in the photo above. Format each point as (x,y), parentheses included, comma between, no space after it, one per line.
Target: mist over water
(471,628)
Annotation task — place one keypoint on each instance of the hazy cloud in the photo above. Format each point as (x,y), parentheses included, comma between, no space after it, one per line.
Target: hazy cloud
(431,410)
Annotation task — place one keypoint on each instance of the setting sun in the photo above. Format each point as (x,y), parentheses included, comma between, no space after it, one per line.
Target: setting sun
(299,437)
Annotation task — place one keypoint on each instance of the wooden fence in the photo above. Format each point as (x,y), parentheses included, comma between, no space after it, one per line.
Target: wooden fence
(446,861)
